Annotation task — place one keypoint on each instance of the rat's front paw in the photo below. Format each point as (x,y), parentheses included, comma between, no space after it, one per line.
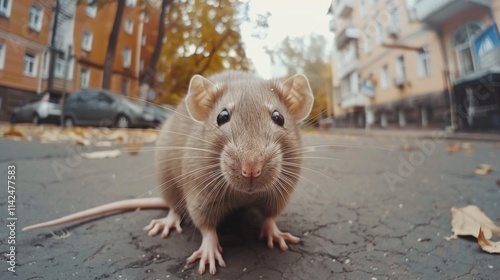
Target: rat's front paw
(172,220)
(210,250)
(273,234)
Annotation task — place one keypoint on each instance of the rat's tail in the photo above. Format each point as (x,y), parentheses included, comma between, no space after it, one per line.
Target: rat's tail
(123,205)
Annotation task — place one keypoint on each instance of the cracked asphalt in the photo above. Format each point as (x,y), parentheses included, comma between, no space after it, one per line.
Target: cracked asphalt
(352,222)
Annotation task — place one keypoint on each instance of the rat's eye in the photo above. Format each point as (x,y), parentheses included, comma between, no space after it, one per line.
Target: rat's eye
(278,118)
(223,117)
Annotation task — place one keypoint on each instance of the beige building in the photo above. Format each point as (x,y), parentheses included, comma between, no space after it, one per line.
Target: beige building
(403,62)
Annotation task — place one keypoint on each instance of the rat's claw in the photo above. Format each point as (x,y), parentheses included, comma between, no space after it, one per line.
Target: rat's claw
(165,224)
(210,251)
(273,234)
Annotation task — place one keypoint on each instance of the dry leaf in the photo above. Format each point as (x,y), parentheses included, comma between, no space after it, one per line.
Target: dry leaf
(452,148)
(486,244)
(408,148)
(468,220)
(133,147)
(498,183)
(102,154)
(12,132)
(483,169)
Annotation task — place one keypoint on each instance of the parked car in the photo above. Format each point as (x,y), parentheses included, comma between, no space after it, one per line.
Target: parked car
(161,113)
(39,110)
(99,107)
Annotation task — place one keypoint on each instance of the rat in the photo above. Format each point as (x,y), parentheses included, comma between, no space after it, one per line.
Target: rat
(235,142)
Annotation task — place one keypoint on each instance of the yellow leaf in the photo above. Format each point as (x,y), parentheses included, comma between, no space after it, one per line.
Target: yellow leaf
(467,221)
(488,245)
(101,154)
(483,169)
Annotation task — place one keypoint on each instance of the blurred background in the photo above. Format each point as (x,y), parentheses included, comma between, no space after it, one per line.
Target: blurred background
(400,64)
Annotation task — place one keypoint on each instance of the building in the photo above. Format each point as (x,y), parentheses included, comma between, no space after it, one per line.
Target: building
(404,62)
(24,39)
(80,45)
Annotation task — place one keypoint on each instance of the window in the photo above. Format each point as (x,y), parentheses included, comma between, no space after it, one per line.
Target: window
(91,9)
(127,57)
(367,41)
(36,17)
(143,41)
(5,8)
(362,7)
(129,26)
(60,66)
(131,3)
(2,55)
(379,33)
(45,65)
(85,78)
(463,40)
(30,64)
(400,69)
(384,77)
(395,24)
(87,40)
(424,63)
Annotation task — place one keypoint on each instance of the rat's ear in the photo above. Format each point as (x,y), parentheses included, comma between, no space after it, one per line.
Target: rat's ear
(298,96)
(200,97)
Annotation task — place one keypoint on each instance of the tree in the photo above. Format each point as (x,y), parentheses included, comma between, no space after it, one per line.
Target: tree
(308,56)
(112,43)
(202,38)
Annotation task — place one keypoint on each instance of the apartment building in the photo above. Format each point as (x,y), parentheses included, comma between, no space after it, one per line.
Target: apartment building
(404,62)
(24,38)
(80,46)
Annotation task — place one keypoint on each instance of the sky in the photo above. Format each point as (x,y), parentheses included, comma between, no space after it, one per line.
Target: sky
(288,18)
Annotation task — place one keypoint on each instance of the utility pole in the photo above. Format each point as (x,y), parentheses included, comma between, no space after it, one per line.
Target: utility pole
(69,56)
(52,61)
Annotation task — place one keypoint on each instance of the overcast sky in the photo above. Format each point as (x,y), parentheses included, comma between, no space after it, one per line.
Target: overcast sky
(289,18)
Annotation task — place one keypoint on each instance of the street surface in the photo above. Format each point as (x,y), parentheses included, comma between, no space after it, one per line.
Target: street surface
(354,222)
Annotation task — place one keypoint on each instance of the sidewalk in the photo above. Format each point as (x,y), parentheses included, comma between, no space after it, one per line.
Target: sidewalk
(435,133)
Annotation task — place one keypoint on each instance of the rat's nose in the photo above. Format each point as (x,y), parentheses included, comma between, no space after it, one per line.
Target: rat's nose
(251,169)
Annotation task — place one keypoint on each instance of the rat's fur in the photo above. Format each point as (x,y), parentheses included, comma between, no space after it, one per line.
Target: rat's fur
(199,163)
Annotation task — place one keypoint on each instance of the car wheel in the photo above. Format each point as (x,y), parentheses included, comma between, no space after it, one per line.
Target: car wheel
(69,122)
(122,122)
(35,120)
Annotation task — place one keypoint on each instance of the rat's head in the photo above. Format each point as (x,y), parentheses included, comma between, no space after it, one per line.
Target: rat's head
(254,127)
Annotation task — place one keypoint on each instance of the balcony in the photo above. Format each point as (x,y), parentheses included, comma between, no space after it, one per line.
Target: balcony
(349,33)
(344,7)
(354,99)
(438,11)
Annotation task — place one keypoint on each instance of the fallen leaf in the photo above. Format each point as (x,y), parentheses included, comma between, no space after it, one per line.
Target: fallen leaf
(498,183)
(452,148)
(133,147)
(483,169)
(12,132)
(467,221)
(486,244)
(102,154)
(408,148)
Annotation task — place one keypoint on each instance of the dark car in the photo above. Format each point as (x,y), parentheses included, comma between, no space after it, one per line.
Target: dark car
(161,113)
(99,107)
(39,110)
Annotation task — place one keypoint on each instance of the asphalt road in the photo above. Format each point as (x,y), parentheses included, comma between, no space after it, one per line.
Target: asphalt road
(354,223)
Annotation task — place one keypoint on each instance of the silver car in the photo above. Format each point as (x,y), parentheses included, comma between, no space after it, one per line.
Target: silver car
(37,111)
(99,107)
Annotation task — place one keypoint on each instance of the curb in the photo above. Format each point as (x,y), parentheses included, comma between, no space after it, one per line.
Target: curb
(437,133)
